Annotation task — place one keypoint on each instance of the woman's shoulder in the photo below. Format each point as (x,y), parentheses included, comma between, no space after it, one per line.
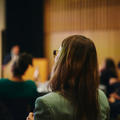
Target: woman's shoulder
(52,96)
(102,95)
(30,86)
(53,99)
(30,82)
(102,98)
(56,104)
(103,102)
(49,100)
(4,83)
(2,80)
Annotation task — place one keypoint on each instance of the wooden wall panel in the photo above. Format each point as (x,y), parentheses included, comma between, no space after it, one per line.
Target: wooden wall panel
(97,19)
(82,15)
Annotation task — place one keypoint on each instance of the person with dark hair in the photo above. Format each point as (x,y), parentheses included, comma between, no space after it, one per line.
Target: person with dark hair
(16,89)
(16,86)
(118,69)
(118,65)
(114,97)
(74,82)
(108,74)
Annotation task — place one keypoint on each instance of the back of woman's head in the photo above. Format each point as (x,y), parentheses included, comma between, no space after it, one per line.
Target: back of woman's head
(21,64)
(75,75)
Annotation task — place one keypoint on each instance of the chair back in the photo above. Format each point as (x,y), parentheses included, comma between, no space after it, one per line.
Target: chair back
(18,108)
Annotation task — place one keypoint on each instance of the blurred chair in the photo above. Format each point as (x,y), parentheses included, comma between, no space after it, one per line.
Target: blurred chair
(4,112)
(18,108)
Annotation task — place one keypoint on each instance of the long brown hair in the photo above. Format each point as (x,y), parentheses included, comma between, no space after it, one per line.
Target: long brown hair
(75,75)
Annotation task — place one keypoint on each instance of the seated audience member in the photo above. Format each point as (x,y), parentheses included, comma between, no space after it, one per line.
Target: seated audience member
(74,83)
(118,69)
(114,100)
(115,82)
(108,74)
(16,89)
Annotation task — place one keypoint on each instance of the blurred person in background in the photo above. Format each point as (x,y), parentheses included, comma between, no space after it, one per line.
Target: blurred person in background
(16,87)
(118,68)
(114,100)
(107,73)
(114,97)
(74,83)
(15,50)
(118,65)
(116,80)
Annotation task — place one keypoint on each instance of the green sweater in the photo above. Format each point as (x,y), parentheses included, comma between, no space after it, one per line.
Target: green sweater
(55,107)
(11,89)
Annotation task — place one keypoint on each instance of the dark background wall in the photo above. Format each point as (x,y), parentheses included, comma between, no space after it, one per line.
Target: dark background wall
(24,26)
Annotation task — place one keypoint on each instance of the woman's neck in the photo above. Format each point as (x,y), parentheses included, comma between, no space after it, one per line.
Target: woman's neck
(17,79)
